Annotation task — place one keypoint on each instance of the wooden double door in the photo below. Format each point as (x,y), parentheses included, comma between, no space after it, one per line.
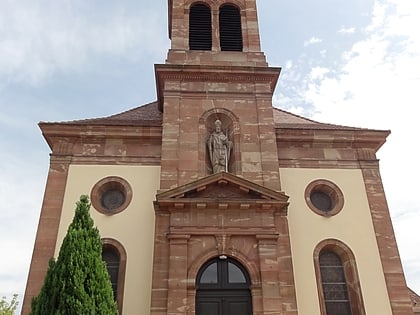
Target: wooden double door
(223,288)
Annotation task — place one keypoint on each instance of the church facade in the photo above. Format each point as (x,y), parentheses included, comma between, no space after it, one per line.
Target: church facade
(212,202)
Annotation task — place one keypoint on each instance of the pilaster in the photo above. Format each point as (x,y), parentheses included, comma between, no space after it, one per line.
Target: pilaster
(49,221)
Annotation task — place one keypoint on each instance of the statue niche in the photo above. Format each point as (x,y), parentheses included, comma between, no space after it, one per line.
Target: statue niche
(219,149)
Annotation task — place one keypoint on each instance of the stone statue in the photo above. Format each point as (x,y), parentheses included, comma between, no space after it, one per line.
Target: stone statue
(219,148)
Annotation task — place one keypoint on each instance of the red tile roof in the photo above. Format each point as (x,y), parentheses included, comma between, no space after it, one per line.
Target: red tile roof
(150,115)
(144,115)
(284,119)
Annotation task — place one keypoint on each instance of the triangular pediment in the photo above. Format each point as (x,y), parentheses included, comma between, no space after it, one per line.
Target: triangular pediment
(223,190)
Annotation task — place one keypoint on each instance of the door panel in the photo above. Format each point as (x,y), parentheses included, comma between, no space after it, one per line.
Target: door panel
(234,306)
(216,304)
(209,306)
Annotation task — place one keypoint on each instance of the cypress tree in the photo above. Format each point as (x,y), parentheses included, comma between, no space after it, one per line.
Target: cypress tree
(77,283)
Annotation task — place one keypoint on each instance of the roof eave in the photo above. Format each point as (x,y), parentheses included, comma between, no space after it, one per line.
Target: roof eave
(353,137)
(54,132)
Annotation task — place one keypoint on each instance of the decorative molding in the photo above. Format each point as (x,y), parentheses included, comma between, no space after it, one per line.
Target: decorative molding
(107,184)
(224,74)
(222,191)
(331,190)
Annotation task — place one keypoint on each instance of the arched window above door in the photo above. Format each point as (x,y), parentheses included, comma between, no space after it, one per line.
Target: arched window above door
(223,288)
(223,273)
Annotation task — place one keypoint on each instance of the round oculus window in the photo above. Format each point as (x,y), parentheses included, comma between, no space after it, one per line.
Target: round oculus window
(321,200)
(112,199)
(111,195)
(324,197)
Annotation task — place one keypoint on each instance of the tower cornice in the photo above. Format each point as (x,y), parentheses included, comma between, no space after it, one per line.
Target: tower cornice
(213,74)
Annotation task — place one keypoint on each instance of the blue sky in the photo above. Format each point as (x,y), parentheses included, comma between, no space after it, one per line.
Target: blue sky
(347,62)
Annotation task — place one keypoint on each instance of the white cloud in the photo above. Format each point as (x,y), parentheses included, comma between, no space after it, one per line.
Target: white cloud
(348,30)
(42,37)
(323,53)
(379,15)
(318,73)
(377,86)
(288,64)
(381,74)
(312,41)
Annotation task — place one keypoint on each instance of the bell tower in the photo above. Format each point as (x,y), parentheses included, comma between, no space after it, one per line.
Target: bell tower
(215,71)
(204,32)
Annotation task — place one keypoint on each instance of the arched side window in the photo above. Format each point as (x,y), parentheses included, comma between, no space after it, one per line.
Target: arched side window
(230,28)
(112,259)
(200,31)
(114,255)
(338,283)
(334,284)
(223,287)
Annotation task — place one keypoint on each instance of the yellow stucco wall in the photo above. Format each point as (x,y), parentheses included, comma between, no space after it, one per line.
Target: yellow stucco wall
(133,227)
(353,226)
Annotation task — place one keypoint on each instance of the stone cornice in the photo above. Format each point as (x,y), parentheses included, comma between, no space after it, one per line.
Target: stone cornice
(59,134)
(224,74)
(104,144)
(352,138)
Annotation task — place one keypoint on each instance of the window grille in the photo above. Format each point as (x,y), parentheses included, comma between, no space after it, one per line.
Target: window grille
(334,284)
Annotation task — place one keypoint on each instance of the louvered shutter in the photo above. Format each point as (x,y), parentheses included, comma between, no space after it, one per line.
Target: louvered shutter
(230,28)
(200,27)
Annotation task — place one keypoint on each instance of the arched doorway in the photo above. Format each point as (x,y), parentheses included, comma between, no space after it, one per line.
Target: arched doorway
(223,288)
